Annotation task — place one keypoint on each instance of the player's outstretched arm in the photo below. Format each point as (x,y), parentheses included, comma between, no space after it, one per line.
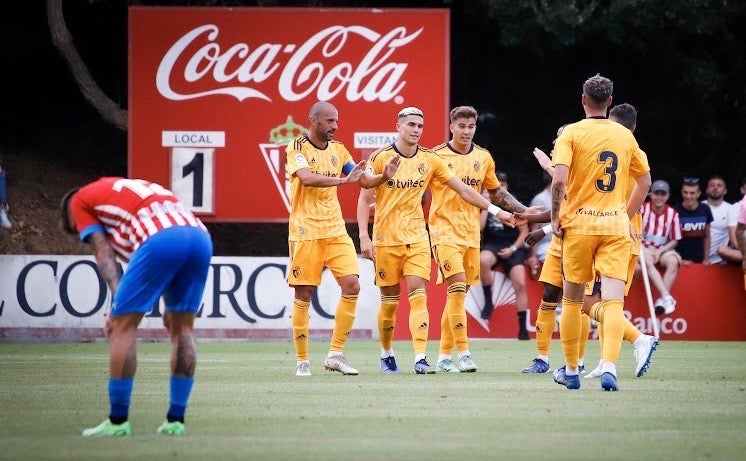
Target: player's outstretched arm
(473,197)
(505,200)
(538,217)
(544,161)
(365,201)
(369,180)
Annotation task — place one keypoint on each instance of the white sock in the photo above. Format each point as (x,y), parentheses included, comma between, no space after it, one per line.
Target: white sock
(461,354)
(387,353)
(608,367)
(545,358)
(419,357)
(442,357)
(334,354)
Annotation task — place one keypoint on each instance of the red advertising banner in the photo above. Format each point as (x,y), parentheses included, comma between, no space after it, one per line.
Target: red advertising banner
(711,306)
(216,93)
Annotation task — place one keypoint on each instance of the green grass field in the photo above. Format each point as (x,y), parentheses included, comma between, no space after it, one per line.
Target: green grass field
(248,404)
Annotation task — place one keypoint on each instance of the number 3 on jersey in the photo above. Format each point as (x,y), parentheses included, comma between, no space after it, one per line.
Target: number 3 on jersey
(607,182)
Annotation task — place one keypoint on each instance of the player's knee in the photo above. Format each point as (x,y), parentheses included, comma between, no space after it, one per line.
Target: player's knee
(551,293)
(350,287)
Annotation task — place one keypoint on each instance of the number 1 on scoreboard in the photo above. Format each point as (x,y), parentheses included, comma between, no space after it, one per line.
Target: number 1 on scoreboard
(193,177)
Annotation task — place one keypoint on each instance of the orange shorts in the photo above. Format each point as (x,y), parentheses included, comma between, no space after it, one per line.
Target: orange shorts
(584,255)
(398,261)
(309,257)
(454,259)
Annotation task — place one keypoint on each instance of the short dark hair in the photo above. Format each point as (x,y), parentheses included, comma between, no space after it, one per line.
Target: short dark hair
(462,112)
(598,88)
(690,181)
(624,114)
(67,225)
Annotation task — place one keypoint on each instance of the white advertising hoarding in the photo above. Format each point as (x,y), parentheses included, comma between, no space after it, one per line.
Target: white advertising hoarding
(45,297)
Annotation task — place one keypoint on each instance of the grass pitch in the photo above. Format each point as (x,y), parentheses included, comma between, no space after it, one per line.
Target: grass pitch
(248,404)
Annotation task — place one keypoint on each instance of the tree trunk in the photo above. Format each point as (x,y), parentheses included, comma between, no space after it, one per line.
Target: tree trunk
(108,109)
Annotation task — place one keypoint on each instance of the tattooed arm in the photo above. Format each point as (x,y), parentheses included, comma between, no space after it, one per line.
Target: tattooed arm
(505,200)
(559,187)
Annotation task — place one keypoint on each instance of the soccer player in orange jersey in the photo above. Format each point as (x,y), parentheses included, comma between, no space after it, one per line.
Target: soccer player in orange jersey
(594,160)
(644,345)
(454,231)
(317,237)
(400,246)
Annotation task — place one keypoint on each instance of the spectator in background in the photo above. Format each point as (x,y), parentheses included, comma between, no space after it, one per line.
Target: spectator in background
(542,201)
(4,219)
(721,215)
(504,245)
(661,233)
(741,236)
(731,250)
(695,219)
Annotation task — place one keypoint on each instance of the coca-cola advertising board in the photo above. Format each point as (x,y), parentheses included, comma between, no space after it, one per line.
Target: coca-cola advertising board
(215,94)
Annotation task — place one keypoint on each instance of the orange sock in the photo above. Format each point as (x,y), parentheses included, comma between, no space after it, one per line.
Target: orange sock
(457,315)
(300,328)
(387,320)
(570,326)
(613,325)
(344,317)
(419,319)
(546,319)
(631,333)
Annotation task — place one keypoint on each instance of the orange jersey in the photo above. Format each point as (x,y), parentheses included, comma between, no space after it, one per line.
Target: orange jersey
(451,219)
(637,218)
(314,211)
(603,157)
(399,217)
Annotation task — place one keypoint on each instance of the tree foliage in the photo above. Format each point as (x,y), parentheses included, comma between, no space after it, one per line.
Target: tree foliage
(682,62)
(704,38)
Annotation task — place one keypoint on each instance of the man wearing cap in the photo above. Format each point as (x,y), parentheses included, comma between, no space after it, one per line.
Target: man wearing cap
(661,232)
(400,247)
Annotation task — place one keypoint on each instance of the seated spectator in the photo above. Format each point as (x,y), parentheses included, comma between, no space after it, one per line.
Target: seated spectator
(542,200)
(505,246)
(695,218)
(660,234)
(731,250)
(721,212)
(4,218)
(741,235)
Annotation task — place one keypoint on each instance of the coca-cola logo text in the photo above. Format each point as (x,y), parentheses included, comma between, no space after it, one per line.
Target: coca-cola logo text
(237,70)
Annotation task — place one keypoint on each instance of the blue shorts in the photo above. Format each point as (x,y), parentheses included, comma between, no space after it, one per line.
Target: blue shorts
(173,263)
